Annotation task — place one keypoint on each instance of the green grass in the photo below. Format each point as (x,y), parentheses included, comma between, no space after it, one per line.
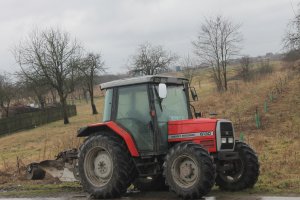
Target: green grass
(46,141)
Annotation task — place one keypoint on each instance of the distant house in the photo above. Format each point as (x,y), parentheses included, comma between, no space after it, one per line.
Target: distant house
(20,109)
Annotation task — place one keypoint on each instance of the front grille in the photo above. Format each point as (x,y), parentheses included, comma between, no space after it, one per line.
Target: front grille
(208,144)
(226,132)
(226,129)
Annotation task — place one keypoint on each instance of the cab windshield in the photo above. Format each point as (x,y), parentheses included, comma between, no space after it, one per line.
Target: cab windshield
(174,106)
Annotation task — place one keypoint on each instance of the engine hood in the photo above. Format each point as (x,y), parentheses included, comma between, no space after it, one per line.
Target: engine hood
(192,126)
(193,121)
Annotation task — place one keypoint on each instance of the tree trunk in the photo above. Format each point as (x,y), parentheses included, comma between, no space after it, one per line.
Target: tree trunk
(64,109)
(41,101)
(225,81)
(224,75)
(94,109)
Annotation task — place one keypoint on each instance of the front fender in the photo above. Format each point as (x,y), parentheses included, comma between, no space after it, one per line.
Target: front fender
(113,127)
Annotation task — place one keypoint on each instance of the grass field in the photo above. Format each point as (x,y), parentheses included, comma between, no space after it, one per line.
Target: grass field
(46,141)
(277,141)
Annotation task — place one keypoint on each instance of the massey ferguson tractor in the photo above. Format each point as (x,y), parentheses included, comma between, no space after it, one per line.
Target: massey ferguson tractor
(149,138)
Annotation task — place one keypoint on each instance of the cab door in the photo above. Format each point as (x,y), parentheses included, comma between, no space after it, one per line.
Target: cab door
(133,114)
(173,107)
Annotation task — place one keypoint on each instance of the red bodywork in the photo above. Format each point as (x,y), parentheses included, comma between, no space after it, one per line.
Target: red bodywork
(121,132)
(201,131)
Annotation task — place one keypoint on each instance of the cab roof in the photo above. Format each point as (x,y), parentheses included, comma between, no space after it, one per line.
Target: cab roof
(144,79)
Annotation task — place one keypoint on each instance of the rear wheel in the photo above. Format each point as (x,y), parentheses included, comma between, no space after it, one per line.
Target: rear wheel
(189,170)
(244,172)
(155,183)
(105,166)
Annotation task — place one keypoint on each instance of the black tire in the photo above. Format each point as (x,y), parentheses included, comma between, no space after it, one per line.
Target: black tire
(34,172)
(197,162)
(156,183)
(245,172)
(114,163)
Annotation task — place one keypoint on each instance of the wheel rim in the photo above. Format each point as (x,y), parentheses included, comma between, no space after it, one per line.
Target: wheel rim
(98,166)
(235,174)
(185,171)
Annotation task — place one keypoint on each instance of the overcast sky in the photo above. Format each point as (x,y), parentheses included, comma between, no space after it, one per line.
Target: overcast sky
(116,27)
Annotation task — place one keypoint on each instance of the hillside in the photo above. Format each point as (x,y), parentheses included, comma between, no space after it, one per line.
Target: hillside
(276,141)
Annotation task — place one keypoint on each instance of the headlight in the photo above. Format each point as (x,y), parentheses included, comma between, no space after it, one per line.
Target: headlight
(230,140)
(224,140)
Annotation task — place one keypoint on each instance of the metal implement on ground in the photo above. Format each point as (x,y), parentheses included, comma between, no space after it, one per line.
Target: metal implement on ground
(63,167)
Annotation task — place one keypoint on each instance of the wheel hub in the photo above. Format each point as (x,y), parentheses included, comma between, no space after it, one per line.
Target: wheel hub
(102,165)
(187,171)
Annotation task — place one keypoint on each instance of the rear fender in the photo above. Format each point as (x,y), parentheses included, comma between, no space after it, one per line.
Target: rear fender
(113,127)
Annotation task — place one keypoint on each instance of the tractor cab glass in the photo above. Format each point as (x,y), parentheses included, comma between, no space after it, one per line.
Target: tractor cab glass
(133,113)
(107,105)
(173,107)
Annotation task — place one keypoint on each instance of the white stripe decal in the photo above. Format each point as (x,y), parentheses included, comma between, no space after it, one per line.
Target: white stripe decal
(191,135)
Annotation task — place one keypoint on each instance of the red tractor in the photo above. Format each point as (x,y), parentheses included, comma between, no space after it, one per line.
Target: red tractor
(150,139)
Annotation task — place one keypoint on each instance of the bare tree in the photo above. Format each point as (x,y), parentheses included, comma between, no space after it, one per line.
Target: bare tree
(150,60)
(188,68)
(6,93)
(291,40)
(217,42)
(245,68)
(90,67)
(51,55)
(34,87)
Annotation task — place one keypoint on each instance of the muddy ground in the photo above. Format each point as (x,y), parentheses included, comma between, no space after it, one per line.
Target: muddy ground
(67,191)
(15,186)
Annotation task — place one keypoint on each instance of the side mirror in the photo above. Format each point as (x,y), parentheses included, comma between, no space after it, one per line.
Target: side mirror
(162,90)
(194,94)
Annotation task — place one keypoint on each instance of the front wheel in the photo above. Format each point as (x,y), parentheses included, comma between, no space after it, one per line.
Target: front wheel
(105,166)
(189,170)
(243,172)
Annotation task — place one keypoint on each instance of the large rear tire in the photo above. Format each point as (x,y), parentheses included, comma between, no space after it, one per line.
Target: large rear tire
(155,183)
(105,166)
(245,170)
(189,170)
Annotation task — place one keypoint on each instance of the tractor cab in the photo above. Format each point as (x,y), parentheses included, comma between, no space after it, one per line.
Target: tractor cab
(143,106)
